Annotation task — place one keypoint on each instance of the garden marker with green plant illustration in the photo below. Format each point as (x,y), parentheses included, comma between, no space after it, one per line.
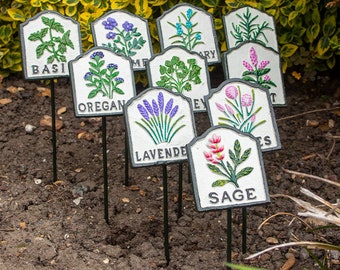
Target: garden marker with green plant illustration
(49,41)
(181,71)
(102,82)
(246,107)
(227,169)
(250,24)
(191,28)
(160,123)
(259,65)
(125,34)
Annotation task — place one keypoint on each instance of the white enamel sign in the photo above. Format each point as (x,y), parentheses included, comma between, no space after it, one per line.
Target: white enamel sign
(183,72)
(125,34)
(256,64)
(246,107)
(160,123)
(102,82)
(49,41)
(250,24)
(190,27)
(227,170)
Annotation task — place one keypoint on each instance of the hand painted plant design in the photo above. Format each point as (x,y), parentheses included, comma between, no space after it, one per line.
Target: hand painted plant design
(175,74)
(227,169)
(185,33)
(257,72)
(55,45)
(249,30)
(239,110)
(159,119)
(125,41)
(104,79)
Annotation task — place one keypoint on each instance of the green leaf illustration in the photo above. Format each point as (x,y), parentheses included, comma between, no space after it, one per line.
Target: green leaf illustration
(220,183)
(215,169)
(244,172)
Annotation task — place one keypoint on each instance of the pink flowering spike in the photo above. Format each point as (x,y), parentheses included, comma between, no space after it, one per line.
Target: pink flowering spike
(263,64)
(253,56)
(207,154)
(247,65)
(253,118)
(266,78)
(231,92)
(212,146)
(219,106)
(230,109)
(246,100)
(220,156)
(218,149)
(215,139)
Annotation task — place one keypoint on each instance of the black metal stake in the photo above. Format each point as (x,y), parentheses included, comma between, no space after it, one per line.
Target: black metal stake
(180,189)
(126,160)
(244,230)
(229,237)
(54,136)
(106,196)
(165,213)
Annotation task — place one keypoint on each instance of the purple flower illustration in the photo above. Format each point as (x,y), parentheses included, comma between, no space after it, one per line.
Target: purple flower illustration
(125,40)
(255,72)
(160,125)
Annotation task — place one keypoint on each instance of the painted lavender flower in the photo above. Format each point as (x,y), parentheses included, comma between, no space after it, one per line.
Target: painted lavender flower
(185,33)
(257,72)
(239,110)
(104,79)
(126,40)
(227,169)
(158,119)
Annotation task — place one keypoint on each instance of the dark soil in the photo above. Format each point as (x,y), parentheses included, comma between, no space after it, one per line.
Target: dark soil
(42,226)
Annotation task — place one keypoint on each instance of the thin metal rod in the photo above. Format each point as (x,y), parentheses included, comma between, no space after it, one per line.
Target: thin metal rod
(54,133)
(180,189)
(106,196)
(126,160)
(244,230)
(229,237)
(165,215)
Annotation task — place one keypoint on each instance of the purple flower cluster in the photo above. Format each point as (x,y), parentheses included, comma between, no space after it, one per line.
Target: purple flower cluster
(110,23)
(127,26)
(99,54)
(87,75)
(112,66)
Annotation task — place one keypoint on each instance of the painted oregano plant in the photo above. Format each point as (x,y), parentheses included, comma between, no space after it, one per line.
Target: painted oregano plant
(178,75)
(53,40)
(104,79)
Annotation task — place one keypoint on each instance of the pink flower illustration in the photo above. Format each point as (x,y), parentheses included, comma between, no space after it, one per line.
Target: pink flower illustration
(253,56)
(253,118)
(215,139)
(266,78)
(247,65)
(230,109)
(231,92)
(209,157)
(246,100)
(219,106)
(263,64)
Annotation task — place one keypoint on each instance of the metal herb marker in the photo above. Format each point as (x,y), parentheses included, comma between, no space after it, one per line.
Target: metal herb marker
(189,27)
(102,83)
(227,172)
(160,123)
(181,71)
(49,41)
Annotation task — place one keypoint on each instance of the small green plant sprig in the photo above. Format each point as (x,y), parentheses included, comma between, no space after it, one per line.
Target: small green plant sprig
(55,45)
(239,110)
(249,30)
(216,156)
(157,119)
(257,72)
(124,41)
(104,79)
(175,74)
(185,34)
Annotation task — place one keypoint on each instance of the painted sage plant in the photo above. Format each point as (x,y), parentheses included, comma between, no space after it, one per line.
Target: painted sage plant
(238,110)
(185,35)
(227,169)
(159,120)
(175,74)
(257,72)
(126,40)
(55,45)
(104,79)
